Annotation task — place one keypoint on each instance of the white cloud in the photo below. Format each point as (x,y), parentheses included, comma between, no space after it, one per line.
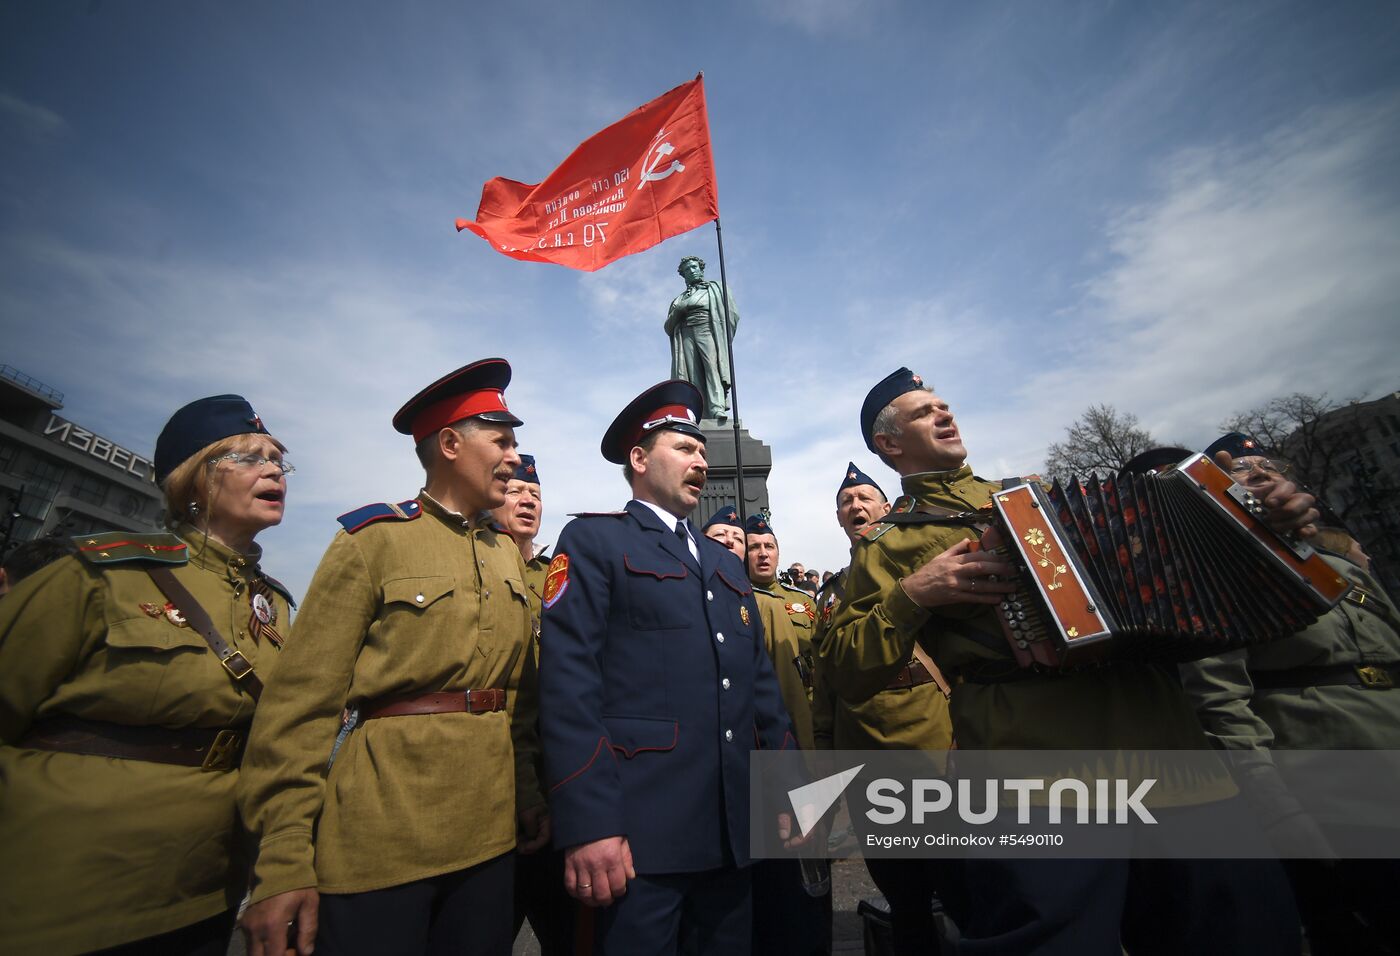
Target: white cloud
(1256,270)
(30,117)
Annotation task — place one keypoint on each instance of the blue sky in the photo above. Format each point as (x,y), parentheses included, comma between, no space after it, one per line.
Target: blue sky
(1183,209)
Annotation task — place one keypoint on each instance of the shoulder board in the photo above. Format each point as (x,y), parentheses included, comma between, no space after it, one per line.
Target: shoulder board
(114,547)
(902,504)
(353,521)
(280,588)
(597,514)
(872,532)
(830,584)
(796,591)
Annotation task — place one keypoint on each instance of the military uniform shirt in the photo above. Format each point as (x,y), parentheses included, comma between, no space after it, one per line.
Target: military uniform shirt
(1363,629)
(895,718)
(98,851)
(437,603)
(789,620)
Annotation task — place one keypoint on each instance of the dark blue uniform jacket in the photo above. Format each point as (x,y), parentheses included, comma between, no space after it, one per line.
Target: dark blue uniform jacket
(654,688)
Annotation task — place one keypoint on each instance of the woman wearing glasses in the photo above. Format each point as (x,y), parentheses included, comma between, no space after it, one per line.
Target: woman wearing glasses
(128,677)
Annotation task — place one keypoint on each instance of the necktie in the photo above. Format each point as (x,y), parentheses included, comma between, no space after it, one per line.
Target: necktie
(680,533)
(263,622)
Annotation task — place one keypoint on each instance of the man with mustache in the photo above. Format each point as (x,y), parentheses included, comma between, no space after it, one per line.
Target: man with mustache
(655,687)
(418,622)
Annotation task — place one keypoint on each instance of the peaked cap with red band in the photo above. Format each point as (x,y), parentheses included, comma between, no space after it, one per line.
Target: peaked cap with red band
(675,405)
(473,391)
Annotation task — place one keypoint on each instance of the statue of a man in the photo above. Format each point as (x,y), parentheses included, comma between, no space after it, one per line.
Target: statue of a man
(701,328)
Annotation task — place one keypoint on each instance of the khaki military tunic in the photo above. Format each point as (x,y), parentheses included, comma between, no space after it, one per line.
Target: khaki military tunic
(895,718)
(789,620)
(1139,706)
(437,603)
(536,569)
(1364,629)
(98,851)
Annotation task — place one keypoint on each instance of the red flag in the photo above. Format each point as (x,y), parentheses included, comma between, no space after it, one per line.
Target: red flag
(647,177)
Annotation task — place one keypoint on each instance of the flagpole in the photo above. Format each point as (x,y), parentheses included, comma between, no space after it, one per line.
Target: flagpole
(733,377)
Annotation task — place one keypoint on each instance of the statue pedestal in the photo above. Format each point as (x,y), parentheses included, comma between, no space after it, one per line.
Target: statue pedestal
(721,485)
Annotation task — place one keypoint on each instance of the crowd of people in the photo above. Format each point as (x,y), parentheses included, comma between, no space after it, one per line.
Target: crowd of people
(463,730)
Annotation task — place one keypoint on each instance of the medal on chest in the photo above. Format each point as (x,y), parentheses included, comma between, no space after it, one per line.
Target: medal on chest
(263,609)
(167,610)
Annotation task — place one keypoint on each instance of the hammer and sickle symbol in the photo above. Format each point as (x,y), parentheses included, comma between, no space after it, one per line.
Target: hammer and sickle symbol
(649,174)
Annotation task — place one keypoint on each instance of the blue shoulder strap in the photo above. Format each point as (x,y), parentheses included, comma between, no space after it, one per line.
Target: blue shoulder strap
(353,521)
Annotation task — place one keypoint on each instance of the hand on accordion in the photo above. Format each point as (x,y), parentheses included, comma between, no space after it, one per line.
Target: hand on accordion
(960,575)
(1290,511)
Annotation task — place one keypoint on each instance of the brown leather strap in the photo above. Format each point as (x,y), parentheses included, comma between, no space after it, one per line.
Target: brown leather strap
(936,675)
(912,674)
(474,701)
(917,674)
(238,666)
(205,747)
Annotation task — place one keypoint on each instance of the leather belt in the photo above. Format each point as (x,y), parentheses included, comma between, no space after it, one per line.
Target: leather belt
(1372,676)
(204,747)
(913,674)
(475,701)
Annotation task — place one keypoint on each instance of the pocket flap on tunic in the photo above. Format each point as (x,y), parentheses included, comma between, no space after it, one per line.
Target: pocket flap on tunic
(519,589)
(417,592)
(152,634)
(630,736)
(654,565)
(740,588)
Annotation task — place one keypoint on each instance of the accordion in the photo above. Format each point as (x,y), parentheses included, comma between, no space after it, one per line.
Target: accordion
(1173,566)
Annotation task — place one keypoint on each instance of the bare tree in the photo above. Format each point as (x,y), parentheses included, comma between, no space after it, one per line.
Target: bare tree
(1101,442)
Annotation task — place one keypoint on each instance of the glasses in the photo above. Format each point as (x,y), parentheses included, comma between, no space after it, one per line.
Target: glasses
(249,460)
(1269,466)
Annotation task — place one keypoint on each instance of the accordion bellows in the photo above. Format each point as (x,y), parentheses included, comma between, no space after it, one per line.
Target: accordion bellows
(1172,566)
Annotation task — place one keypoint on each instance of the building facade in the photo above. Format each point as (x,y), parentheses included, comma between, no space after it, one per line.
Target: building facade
(58,478)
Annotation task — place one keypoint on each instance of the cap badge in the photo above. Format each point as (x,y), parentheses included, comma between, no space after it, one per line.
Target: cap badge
(917,380)
(256,422)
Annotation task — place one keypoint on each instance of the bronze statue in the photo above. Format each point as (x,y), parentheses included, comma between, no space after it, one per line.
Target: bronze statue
(701,330)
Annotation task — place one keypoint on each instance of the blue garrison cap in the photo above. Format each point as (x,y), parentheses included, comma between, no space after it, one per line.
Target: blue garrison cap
(726,515)
(1238,444)
(885,391)
(526,470)
(854,476)
(200,424)
(757,524)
